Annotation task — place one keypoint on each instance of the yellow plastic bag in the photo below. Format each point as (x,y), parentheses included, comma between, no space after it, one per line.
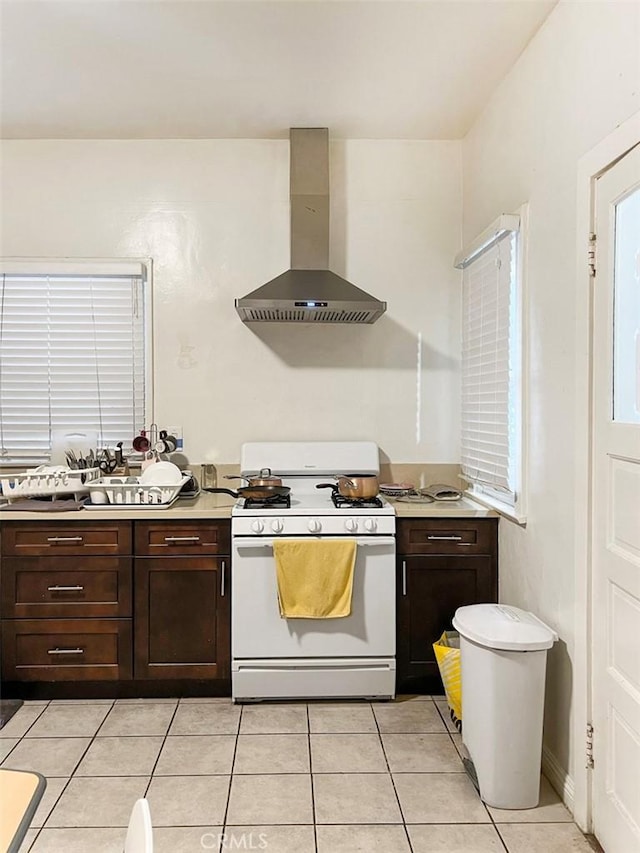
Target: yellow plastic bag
(447,651)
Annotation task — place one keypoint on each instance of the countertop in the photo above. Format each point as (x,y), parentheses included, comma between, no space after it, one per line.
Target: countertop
(464,508)
(207,505)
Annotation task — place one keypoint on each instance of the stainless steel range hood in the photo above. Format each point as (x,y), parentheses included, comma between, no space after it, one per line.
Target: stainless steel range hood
(309,292)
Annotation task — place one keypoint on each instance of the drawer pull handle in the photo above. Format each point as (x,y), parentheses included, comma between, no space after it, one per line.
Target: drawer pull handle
(65,652)
(446,538)
(65,538)
(58,588)
(173,539)
(222,574)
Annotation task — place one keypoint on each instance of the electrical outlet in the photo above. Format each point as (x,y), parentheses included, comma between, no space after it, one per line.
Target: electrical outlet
(177,432)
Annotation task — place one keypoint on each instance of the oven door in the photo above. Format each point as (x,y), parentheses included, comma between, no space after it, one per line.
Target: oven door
(259,632)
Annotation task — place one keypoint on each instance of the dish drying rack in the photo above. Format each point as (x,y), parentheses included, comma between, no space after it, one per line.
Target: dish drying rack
(130,492)
(47,481)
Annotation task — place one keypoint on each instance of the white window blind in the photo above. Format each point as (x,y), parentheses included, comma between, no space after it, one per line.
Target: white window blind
(490,452)
(72,358)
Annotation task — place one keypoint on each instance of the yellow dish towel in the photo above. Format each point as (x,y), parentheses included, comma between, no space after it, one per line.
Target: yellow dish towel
(315,577)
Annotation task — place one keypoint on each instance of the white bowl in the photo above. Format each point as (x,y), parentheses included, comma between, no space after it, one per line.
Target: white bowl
(161,474)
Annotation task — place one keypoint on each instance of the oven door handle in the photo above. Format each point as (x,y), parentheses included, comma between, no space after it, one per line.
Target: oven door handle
(258,542)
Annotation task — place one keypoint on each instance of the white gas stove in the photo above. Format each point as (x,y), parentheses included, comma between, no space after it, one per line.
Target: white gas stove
(302,466)
(276,658)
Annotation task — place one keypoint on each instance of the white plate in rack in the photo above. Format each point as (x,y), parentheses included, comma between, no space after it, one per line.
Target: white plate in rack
(161,474)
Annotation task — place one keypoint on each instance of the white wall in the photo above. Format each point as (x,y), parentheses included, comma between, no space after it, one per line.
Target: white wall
(213,215)
(577,80)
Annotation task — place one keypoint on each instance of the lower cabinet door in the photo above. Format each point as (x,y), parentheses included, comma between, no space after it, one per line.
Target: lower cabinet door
(430,590)
(66,649)
(182,617)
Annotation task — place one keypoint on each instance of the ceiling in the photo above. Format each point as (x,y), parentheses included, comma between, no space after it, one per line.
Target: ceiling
(385,69)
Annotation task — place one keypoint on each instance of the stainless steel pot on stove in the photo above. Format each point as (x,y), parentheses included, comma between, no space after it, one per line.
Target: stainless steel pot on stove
(263,478)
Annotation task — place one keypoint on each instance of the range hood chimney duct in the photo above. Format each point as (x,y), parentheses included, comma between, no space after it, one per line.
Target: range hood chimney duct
(309,292)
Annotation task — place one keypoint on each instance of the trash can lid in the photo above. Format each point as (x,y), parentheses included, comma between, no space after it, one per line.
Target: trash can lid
(500,626)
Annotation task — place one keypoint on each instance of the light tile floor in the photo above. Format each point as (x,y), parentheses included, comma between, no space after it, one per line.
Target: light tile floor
(320,777)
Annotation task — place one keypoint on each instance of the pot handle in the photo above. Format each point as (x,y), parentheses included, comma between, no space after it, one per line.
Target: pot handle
(327,486)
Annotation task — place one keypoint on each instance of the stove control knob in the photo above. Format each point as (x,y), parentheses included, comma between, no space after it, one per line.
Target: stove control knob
(257,526)
(277,525)
(370,524)
(350,524)
(314,525)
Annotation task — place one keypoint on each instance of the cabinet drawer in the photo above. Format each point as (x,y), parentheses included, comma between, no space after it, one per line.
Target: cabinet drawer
(68,587)
(66,649)
(39,538)
(447,536)
(155,539)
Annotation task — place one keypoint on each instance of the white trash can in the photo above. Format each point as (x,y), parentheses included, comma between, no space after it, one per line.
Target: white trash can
(503,656)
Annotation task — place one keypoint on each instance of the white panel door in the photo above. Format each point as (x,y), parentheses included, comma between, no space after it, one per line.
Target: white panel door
(616,508)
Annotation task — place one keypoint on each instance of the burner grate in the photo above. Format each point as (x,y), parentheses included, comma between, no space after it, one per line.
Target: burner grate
(340,502)
(275,502)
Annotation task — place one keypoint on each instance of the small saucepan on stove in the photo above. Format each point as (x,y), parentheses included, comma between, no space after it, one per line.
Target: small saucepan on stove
(256,493)
(263,478)
(354,486)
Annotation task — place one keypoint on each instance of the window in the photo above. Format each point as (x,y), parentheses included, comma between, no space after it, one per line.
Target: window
(492,422)
(72,354)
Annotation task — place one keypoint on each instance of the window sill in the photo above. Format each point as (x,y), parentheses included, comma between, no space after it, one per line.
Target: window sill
(512,513)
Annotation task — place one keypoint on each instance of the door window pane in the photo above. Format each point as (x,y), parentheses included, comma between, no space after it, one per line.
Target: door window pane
(626,301)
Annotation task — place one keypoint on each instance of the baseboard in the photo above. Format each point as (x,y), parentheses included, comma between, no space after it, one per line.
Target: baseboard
(558,777)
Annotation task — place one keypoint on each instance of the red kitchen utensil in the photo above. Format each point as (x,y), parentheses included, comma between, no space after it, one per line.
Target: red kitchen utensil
(141,443)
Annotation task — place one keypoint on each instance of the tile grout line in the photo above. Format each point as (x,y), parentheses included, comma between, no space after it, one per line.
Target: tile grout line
(164,740)
(393,784)
(29,727)
(495,826)
(91,740)
(499,834)
(313,797)
(231,774)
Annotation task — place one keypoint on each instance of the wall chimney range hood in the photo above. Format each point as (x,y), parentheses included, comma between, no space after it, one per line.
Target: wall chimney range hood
(309,292)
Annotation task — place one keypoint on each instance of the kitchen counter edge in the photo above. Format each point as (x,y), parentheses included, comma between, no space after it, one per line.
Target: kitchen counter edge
(202,506)
(219,506)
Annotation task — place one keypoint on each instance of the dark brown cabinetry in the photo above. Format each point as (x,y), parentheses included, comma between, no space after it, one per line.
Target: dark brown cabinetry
(182,603)
(442,564)
(141,605)
(66,601)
